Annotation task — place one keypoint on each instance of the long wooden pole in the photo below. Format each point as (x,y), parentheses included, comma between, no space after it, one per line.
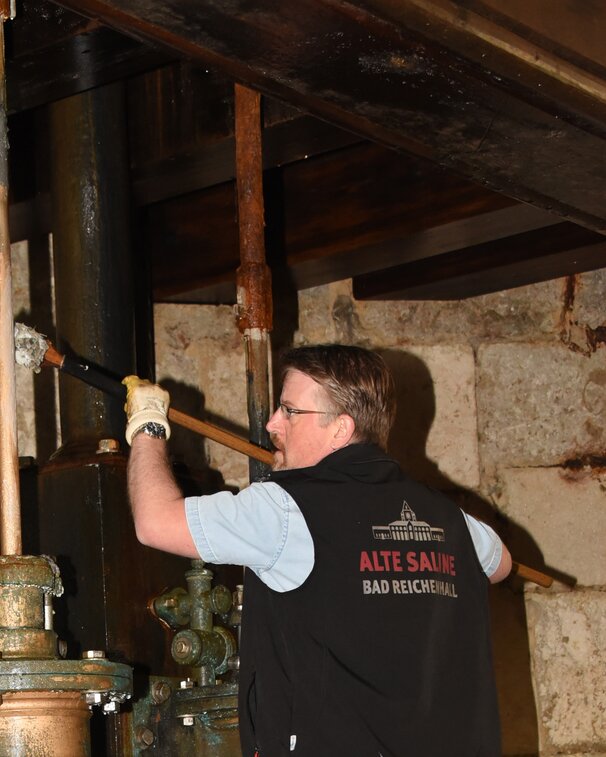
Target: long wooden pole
(530,574)
(10,507)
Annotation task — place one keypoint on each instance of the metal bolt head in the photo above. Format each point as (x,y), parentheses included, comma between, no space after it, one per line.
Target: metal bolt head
(93,698)
(160,692)
(233,662)
(186,684)
(239,596)
(110,707)
(188,720)
(144,736)
(93,654)
(182,647)
(221,600)
(108,446)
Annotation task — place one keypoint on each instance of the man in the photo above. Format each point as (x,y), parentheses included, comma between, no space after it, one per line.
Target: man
(365,629)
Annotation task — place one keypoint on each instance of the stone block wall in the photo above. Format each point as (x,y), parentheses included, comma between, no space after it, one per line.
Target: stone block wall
(26,430)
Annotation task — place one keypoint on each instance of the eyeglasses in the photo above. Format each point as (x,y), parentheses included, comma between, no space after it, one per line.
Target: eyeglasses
(288,412)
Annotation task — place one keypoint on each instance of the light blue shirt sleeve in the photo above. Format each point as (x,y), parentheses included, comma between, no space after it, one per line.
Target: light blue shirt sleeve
(489,546)
(261,528)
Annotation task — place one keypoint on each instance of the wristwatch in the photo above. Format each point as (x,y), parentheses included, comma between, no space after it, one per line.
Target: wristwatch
(155,430)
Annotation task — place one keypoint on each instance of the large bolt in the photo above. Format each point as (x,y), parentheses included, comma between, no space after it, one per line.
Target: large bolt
(93,654)
(144,736)
(182,647)
(221,600)
(160,692)
(93,698)
(186,647)
(233,662)
(108,446)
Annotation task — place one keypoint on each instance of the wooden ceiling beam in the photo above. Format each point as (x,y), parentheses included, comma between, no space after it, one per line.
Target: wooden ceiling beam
(53,53)
(181,122)
(397,73)
(384,210)
(518,260)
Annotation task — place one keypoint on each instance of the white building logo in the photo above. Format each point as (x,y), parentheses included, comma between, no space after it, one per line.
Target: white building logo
(408,528)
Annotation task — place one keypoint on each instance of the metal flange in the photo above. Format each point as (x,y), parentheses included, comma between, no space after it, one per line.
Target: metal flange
(103,680)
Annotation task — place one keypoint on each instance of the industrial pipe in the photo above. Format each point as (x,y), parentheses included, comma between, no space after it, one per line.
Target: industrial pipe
(253,276)
(10,507)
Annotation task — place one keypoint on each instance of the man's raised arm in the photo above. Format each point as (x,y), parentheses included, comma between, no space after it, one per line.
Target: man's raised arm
(157,502)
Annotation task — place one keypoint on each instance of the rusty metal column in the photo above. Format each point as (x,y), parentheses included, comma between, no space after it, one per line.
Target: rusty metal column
(253,275)
(10,507)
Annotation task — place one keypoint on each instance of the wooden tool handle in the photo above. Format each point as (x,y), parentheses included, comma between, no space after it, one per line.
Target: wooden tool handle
(530,574)
(219,435)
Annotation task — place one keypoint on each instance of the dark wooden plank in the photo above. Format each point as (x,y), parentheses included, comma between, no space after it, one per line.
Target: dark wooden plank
(53,53)
(192,241)
(181,124)
(369,194)
(521,259)
(331,217)
(364,66)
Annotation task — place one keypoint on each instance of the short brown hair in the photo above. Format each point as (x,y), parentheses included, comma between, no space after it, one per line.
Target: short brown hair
(357,381)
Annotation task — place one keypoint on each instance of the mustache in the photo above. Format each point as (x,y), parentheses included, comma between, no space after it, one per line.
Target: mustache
(276,441)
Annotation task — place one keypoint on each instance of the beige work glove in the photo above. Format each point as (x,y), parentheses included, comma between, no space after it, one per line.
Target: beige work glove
(145,403)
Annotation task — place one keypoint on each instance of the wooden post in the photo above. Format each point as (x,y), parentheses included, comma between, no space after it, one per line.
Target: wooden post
(253,276)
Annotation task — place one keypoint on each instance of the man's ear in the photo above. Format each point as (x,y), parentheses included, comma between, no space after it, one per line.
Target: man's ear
(346,429)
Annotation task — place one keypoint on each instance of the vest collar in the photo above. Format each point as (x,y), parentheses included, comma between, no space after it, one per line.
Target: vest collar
(366,463)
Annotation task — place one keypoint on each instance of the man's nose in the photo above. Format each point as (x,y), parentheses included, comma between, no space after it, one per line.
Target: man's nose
(273,422)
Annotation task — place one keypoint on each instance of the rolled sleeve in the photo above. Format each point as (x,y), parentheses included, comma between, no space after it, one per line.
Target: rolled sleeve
(261,528)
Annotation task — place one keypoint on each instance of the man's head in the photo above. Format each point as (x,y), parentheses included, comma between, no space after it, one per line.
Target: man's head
(349,390)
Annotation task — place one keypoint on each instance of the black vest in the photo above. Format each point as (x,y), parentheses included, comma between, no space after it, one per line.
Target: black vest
(385,648)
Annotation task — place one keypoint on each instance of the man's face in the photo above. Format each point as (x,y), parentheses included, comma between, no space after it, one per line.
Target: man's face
(302,440)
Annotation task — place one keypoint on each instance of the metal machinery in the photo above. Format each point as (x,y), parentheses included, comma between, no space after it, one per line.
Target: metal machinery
(195,714)
(46,700)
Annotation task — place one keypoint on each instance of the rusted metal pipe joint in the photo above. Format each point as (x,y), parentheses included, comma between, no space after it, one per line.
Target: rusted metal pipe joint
(24,583)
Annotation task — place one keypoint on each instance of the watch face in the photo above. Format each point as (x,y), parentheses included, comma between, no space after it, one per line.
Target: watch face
(155,430)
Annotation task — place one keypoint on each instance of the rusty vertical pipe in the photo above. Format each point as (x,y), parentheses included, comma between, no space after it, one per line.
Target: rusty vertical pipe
(253,275)
(10,509)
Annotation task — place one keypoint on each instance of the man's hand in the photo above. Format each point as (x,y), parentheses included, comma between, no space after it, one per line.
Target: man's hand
(145,403)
